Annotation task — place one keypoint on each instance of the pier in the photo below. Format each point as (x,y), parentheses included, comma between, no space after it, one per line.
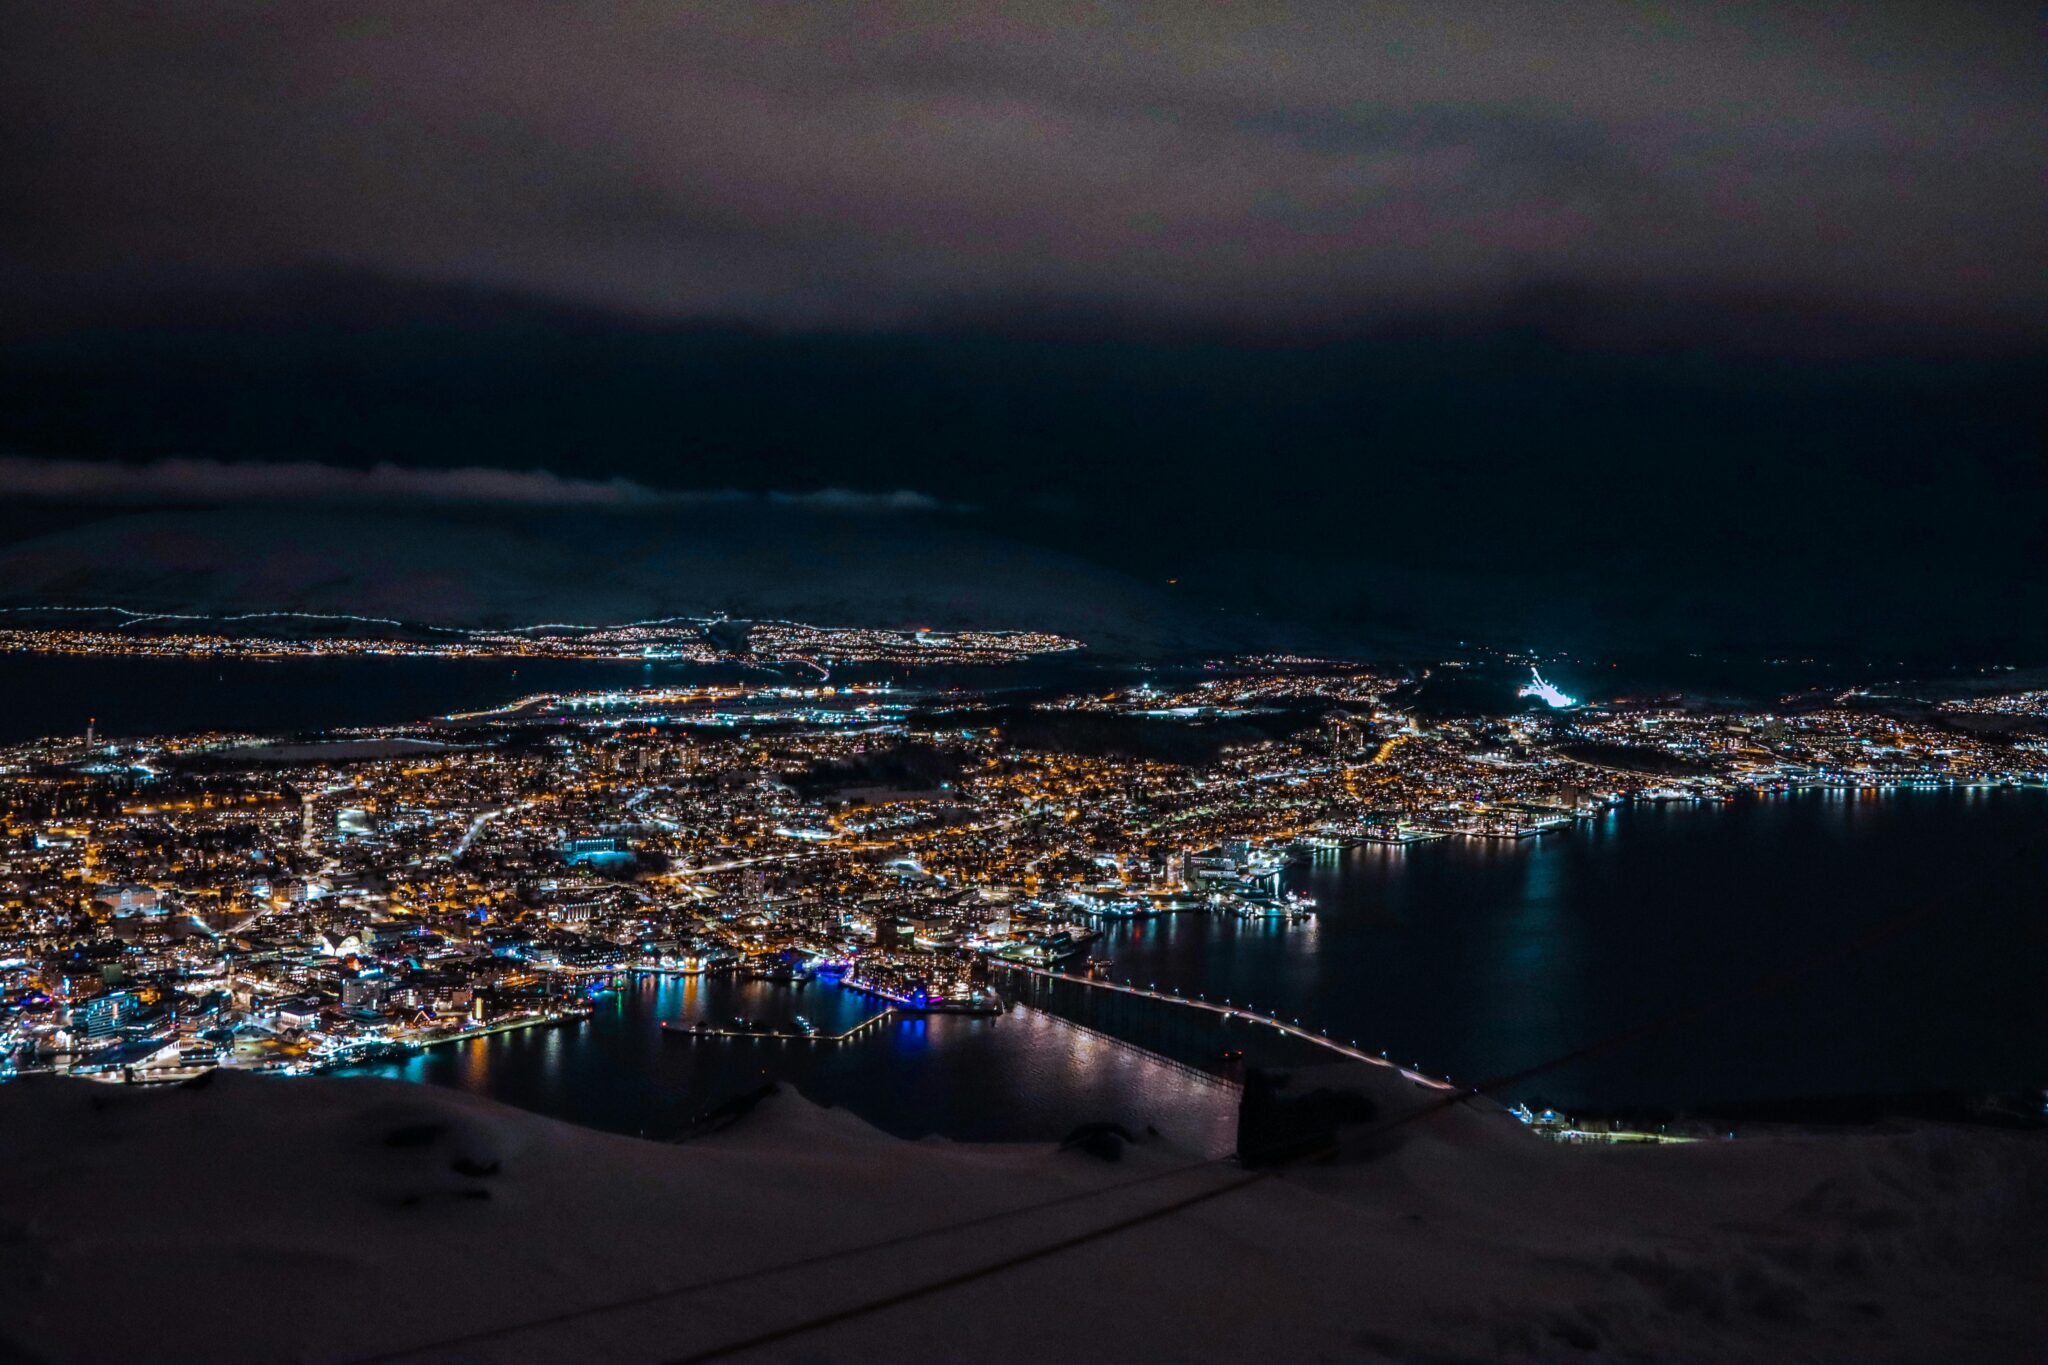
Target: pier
(701,1031)
(524,1021)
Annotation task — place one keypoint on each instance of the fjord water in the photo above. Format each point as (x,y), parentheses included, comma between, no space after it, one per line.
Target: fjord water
(134,696)
(1024,1076)
(1472,958)
(1793,922)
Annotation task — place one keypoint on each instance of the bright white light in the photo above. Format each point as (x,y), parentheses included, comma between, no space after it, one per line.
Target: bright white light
(1536,687)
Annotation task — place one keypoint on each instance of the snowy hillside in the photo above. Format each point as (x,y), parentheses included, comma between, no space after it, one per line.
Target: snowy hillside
(332,1220)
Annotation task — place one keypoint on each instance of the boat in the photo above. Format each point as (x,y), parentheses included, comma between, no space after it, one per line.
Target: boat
(1108,907)
(1263,904)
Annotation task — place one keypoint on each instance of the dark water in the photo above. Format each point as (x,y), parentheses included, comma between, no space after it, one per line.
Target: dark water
(133,697)
(1479,958)
(1467,958)
(130,697)
(1024,1076)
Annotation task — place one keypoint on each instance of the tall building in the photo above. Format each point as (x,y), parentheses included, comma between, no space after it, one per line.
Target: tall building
(103,1016)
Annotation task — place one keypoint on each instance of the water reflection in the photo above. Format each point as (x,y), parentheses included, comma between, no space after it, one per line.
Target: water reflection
(1025,1075)
(1481,957)
(1472,958)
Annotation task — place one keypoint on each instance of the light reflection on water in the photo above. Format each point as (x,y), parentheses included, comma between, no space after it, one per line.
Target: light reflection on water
(1481,957)
(1026,1075)
(1471,958)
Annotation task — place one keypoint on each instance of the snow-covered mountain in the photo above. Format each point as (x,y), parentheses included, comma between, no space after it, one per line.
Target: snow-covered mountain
(343,1220)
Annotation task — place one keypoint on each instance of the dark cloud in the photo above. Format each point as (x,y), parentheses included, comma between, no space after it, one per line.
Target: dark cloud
(215,481)
(1270,166)
(1497,486)
(1563,322)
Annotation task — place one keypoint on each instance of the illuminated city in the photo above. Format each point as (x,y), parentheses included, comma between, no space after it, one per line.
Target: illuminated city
(679,640)
(178,903)
(1023,684)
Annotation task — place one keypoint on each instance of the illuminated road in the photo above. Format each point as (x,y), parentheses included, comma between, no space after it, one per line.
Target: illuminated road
(736,863)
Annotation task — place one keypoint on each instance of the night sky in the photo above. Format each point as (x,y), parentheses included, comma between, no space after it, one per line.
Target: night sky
(1639,326)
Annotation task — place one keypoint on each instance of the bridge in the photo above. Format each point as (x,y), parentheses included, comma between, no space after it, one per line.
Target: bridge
(1350,1052)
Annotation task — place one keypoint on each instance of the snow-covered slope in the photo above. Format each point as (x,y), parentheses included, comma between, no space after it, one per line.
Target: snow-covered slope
(330,1220)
